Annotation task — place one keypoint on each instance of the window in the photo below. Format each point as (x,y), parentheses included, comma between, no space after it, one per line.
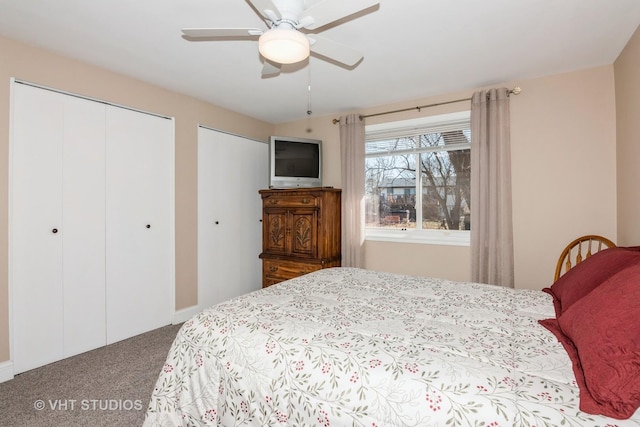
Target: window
(417,180)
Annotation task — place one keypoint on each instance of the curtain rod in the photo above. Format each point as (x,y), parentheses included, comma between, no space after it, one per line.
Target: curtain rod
(516,91)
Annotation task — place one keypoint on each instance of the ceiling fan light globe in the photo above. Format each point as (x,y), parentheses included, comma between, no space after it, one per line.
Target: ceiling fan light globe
(284,46)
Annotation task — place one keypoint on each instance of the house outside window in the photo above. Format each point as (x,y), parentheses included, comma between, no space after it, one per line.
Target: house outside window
(417,180)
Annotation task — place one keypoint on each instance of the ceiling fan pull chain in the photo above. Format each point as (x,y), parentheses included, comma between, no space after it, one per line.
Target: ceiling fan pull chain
(309,112)
(309,89)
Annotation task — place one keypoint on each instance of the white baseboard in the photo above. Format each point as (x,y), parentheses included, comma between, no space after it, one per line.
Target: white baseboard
(185,314)
(6,371)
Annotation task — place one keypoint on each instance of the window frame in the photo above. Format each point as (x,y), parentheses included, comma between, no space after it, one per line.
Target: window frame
(421,125)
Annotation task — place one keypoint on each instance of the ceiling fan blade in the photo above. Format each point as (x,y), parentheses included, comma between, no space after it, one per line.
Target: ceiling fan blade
(328,11)
(270,69)
(266,8)
(335,51)
(195,33)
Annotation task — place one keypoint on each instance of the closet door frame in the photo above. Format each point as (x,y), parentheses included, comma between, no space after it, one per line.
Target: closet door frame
(11,284)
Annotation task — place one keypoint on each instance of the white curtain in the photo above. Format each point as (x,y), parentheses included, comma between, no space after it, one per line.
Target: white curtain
(491,225)
(352,167)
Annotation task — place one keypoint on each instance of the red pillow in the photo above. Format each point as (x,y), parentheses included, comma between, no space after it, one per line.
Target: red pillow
(587,275)
(604,328)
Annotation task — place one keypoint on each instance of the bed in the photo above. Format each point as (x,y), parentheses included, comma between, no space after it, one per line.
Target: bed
(354,347)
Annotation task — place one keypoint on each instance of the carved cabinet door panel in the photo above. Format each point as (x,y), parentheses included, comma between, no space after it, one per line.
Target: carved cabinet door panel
(275,231)
(304,233)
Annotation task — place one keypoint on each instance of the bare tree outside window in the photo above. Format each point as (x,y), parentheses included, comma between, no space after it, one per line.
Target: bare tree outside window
(420,181)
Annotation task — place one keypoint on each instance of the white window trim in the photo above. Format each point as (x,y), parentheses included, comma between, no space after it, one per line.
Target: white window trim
(425,237)
(428,237)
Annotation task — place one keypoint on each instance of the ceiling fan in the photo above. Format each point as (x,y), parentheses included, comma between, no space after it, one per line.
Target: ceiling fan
(283,42)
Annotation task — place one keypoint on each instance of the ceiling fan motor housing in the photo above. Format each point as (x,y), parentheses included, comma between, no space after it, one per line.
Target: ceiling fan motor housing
(290,11)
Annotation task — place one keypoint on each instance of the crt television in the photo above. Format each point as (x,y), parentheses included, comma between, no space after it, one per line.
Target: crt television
(295,162)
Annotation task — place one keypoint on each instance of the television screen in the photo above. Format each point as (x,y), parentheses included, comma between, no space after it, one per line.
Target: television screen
(297,159)
(295,162)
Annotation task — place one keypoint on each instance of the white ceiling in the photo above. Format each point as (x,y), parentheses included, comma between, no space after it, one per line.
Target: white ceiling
(412,48)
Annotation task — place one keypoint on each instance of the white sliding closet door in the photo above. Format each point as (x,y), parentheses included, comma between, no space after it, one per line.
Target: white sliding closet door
(57,226)
(36,251)
(83,226)
(139,200)
(231,170)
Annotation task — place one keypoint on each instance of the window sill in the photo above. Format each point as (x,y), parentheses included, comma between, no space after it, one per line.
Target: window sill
(425,237)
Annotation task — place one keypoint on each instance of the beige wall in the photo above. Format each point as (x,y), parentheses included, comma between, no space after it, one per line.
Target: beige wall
(44,68)
(627,75)
(563,140)
(564,170)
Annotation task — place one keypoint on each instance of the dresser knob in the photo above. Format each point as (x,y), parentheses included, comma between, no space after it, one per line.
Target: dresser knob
(273,269)
(306,201)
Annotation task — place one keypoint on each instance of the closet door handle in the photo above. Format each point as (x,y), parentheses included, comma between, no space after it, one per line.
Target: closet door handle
(54,231)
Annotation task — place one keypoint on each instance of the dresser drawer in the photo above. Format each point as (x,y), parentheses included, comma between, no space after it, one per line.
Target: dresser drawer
(281,269)
(294,201)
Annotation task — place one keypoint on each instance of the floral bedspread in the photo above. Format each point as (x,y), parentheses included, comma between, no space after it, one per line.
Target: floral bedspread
(345,346)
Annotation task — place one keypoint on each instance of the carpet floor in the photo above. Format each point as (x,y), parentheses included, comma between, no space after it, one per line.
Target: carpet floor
(109,386)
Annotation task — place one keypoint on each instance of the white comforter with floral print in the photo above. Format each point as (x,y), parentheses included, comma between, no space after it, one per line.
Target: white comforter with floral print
(345,346)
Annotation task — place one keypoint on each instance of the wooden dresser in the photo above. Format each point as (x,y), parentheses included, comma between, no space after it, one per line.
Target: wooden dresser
(300,232)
